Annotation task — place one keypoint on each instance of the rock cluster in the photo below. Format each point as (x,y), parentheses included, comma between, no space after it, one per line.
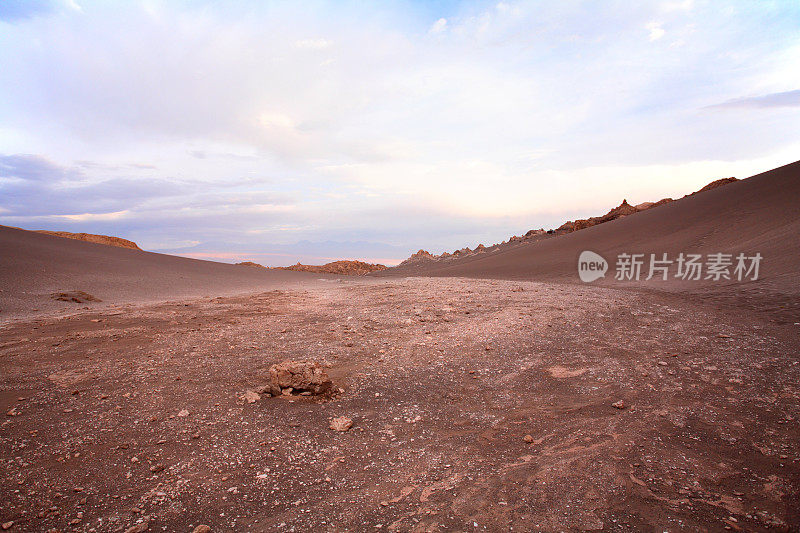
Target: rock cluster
(298,377)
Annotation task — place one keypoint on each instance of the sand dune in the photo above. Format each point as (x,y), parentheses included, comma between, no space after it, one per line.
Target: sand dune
(759,214)
(35,268)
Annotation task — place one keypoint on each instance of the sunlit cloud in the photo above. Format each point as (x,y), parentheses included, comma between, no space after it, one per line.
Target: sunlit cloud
(90,217)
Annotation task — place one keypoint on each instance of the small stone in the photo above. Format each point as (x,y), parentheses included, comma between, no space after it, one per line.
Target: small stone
(528,438)
(251,396)
(618,405)
(341,423)
(662,363)
(183,413)
(140,527)
(202,528)
(8,525)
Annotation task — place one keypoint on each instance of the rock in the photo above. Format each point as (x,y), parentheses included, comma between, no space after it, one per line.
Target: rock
(140,527)
(251,396)
(202,528)
(8,525)
(618,405)
(528,438)
(183,413)
(300,376)
(341,423)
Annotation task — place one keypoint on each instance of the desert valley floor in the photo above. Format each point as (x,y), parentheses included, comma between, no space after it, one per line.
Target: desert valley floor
(476,405)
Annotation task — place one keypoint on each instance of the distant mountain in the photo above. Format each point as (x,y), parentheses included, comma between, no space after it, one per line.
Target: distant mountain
(305,252)
(351,268)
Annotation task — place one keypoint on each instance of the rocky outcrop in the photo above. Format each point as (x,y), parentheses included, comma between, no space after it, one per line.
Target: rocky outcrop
(347,268)
(250,264)
(90,237)
(419,257)
(622,210)
(716,183)
(298,377)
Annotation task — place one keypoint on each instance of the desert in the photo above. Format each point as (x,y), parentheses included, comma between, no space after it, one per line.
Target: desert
(477,398)
(408,266)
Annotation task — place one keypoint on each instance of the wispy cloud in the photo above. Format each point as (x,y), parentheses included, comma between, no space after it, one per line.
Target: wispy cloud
(782,99)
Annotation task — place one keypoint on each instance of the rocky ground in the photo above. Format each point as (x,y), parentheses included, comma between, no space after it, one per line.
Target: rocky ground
(475,406)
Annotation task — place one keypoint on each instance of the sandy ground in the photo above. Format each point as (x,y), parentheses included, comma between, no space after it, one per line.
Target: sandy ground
(134,415)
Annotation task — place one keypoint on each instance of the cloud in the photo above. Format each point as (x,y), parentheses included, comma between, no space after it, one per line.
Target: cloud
(434,124)
(313,44)
(439,26)
(34,186)
(782,99)
(656,31)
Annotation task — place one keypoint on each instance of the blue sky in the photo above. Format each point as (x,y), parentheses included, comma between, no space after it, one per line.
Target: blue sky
(281,131)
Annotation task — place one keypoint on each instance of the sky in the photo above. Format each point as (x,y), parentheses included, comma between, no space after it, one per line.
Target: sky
(313,131)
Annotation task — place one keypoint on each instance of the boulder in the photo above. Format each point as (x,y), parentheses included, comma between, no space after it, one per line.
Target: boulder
(299,376)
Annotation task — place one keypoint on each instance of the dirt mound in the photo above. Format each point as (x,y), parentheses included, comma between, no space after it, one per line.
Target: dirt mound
(90,237)
(347,268)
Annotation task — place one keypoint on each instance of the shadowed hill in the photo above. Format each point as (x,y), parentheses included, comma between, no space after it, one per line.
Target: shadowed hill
(42,272)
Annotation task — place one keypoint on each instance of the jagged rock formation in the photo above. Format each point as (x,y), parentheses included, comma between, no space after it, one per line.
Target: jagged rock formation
(89,237)
(622,210)
(421,256)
